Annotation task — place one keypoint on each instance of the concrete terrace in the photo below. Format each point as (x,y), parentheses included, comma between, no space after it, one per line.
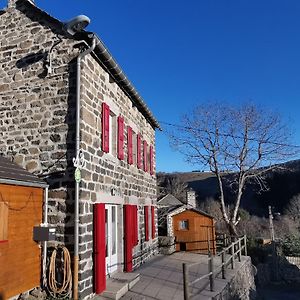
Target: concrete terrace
(161,278)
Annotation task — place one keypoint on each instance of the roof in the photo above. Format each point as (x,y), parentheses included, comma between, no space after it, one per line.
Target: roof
(169,200)
(106,59)
(11,173)
(201,212)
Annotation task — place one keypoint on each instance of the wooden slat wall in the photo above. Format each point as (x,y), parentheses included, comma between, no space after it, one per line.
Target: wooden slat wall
(20,256)
(200,228)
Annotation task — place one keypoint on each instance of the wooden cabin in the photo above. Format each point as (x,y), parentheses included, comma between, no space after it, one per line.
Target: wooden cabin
(194,230)
(21,200)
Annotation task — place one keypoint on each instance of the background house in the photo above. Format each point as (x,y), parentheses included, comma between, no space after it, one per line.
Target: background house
(117,190)
(193,229)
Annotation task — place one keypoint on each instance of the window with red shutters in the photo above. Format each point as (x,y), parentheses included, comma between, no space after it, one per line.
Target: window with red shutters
(120,138)
(151,159)
(152,222)
(146,215)
(138,151)
(129,146)
(145,152)
(105,127)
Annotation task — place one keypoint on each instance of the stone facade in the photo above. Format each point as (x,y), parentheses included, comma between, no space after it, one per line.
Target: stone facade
(37,122)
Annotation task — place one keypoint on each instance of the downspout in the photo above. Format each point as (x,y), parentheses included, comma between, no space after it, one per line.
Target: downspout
(45,223)
(77,158)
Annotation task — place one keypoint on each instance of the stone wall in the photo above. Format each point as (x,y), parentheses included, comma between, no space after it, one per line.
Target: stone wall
(242,285)
(37,129)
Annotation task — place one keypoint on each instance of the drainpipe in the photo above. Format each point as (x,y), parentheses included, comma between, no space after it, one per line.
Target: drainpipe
(77,164)
(45,223)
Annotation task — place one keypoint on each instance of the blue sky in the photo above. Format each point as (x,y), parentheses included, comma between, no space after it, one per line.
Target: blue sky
(180,53)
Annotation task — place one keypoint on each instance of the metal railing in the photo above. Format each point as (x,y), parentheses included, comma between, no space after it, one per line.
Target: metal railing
(228,256)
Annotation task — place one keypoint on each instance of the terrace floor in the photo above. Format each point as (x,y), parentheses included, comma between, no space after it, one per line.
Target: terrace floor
(162,278)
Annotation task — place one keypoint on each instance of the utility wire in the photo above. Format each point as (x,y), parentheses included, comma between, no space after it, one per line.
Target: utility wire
(227,135)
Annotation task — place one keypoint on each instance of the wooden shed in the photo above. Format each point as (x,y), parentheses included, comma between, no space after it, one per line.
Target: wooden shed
(21,202)
(194,230)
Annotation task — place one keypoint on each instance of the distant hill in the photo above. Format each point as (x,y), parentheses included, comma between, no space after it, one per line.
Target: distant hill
(283,184)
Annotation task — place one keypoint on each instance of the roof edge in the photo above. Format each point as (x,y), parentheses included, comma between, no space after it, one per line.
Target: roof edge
(23,183)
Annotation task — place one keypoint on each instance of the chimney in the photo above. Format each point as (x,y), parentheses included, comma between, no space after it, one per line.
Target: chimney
(191,198)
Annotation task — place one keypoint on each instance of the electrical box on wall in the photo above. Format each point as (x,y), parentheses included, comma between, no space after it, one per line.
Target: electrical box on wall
(44,233)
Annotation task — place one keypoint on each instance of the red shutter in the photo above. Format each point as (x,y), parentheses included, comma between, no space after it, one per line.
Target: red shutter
(153,222)
(129,145)
(151,159)
(135,223)
(128,240)
(145,152)
(138,150)
(105,127)
(120,138)
(146,223)
(99,247)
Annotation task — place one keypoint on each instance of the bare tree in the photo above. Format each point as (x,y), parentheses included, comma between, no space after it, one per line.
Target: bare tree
(245,142)
(176,187)
(293,209)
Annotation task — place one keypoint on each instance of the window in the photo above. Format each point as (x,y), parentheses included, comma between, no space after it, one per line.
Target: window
(134,147)
(112,134)
(130,148)
(145,154)
(139,151)
(3,222)
(120,138)
(184,225)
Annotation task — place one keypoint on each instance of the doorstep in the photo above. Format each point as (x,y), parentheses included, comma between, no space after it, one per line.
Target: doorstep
(118,285)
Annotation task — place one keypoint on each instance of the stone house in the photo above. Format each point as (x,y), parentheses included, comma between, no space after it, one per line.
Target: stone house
(107,216)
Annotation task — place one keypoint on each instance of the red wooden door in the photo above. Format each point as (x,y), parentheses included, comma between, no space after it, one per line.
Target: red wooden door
(99,248)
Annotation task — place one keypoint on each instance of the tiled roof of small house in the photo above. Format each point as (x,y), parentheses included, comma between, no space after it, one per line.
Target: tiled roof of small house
(14,174)
(169,200)
(106,59)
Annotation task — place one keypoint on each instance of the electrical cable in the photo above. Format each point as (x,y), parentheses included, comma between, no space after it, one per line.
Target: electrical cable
(227,134)
(60,290)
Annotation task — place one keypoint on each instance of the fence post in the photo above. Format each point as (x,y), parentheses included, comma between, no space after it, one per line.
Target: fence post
(232,256)
(185,268)
(223,265)
(211,270)
(240,250)
(245,245)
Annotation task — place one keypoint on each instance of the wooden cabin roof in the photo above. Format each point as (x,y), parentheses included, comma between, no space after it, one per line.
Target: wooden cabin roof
(186,208)
(11,173)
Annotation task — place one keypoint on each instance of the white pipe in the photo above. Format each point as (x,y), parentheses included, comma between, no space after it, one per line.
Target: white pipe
(77,152)
(45,223)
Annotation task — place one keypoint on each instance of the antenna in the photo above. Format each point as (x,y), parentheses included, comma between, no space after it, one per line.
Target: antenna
(77,24)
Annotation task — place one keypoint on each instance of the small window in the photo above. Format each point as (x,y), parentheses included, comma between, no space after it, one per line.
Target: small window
(3,221)
(112,134)
(184,225)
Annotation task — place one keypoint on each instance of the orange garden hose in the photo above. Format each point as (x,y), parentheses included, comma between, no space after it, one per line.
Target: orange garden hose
(63,290)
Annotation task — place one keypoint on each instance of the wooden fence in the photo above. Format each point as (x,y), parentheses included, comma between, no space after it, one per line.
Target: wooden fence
(228,257)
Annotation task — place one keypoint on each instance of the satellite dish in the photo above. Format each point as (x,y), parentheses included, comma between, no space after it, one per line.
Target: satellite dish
(77,24)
